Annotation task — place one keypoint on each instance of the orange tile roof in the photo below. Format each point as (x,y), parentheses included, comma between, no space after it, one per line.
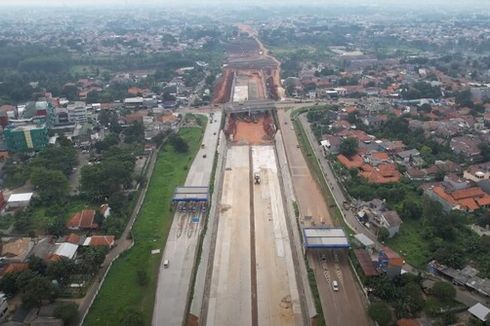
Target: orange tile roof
(439,191)
(484,201)
(407,322)
(101,240)
(380,156)
(387,170)
(393,257)
(352,163)
(468,193)
(468,203)
(82,220)
(73,238)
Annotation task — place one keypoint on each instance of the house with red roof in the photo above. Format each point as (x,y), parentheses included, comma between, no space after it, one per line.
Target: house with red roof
(82,220)
(100,241)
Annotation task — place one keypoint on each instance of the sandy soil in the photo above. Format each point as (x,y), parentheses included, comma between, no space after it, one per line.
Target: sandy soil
(222,89)
(251,133)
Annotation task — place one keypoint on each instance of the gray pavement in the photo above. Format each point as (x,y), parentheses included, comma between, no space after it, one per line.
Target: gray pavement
(180,250)
(205,264)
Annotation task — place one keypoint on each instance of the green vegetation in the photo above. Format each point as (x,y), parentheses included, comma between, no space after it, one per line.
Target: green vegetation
(404,293)
(381,313)
(349,146)
(121,288)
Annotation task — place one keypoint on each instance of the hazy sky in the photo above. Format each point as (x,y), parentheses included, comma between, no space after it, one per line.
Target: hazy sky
(163,2)
(474,4)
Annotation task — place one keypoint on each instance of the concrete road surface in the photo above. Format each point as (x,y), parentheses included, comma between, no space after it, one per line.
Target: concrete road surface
(277,291)
(174,282)
(344,307)
(230,297)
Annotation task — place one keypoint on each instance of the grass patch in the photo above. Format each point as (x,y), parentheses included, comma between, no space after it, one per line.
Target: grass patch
(121,289)
(410,244)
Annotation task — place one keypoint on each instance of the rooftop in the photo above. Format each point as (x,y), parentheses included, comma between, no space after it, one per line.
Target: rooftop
(325,238)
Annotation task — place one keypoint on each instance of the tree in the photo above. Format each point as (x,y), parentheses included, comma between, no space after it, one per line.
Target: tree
(37,265)
(444,291)
(92,258)
(411,208)
(8,284)
(70,91)
(411,301)
(450,255)
(484,151)
(62,158)
(56,228)
(62,270)
(36,290)
(381,313)
(134,133)
(349,146)
(179,144)
(383,234)
(68,312)
(52,185)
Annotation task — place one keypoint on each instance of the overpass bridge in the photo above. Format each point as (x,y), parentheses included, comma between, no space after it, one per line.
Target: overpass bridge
(250,106)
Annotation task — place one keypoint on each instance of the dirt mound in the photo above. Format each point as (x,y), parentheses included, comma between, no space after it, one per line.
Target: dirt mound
(222,89)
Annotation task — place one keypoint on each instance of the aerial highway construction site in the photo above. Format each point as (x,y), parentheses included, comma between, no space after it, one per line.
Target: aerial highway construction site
(241,243)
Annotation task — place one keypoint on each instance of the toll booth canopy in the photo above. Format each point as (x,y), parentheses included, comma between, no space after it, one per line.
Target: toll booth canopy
(190,194)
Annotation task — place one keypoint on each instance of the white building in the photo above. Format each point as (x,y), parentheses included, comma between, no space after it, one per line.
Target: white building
(19,200)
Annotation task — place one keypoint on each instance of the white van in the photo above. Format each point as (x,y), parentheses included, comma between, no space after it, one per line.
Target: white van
(165,263)
(335,286)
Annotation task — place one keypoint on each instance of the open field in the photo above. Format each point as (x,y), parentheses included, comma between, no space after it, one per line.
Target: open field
(121,293)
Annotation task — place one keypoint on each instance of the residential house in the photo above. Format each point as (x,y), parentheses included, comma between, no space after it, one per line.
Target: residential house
(467,199)
(466,145)
(410,158)
(63,250)
(477,172)
(100,241)
(16,201)
(16,249)
(82,220)
(376,213)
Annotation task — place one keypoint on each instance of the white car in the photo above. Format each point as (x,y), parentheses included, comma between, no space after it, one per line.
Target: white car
(335,286)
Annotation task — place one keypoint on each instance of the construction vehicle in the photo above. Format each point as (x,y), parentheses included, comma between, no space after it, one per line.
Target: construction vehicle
(257,178)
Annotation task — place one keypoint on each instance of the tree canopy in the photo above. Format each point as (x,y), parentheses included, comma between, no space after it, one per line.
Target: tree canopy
(349,146)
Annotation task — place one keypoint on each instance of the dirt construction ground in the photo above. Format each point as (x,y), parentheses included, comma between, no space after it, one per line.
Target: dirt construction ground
(250,133)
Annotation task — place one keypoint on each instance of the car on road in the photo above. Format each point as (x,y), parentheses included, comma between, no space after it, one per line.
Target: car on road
(335,286)
(165,263)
